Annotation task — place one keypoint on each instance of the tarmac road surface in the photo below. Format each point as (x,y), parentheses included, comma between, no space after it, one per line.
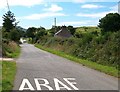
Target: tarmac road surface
(34,63)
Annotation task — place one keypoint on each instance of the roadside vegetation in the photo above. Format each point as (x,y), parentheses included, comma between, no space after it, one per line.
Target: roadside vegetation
(0,76)
(10,49)
(10,34)
(102,68)
(99,46)
(8,75)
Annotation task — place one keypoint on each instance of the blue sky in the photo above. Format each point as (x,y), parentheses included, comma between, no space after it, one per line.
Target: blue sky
(70,12)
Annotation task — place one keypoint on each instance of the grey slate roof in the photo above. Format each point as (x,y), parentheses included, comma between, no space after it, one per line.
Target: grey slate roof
(63,33)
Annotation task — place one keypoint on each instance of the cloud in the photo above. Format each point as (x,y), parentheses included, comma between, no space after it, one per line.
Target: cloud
(82,1)
(78,1)
(54,8)
(95,15)
(27,3)
(90,6)
(41,16)
(114,8)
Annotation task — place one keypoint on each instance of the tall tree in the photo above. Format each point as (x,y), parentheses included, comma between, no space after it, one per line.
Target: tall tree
(9,21)
(111,22)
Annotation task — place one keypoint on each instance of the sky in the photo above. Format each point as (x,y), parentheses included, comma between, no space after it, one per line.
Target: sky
(36,13)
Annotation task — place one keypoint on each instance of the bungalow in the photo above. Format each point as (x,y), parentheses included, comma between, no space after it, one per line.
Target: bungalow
(64,33)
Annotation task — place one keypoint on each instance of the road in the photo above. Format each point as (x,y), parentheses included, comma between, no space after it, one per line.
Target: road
(35,63)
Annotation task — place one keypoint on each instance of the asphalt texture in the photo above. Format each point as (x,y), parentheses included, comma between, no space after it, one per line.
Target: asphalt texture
(35,63)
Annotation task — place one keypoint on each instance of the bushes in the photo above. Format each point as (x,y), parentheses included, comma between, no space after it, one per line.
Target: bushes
(10,49)
(103,49)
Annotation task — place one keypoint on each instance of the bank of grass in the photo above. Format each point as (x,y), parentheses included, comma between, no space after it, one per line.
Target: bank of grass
(0,76)
(11,50)
(102,68)
(8,75)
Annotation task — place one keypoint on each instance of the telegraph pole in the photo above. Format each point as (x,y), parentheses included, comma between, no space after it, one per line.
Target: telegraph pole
(8,5)
(55,23)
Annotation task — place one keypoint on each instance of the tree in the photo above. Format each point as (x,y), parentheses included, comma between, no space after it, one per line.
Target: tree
(111,22)
(31,32)
(14,35)
(9,21)
(71,29)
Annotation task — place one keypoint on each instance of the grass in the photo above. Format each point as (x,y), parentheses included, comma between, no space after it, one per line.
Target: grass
(87,29)
(0,76)
(105,69)
(8,75)
(12,50)
(16,52)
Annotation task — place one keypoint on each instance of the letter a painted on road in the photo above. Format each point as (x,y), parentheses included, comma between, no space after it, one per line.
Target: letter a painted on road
(26,82)
(58,83)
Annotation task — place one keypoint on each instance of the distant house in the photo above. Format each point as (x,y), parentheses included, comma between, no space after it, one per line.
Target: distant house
(64,33)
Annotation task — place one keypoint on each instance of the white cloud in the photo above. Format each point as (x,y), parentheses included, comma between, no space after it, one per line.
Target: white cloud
(54,8)
(82,1)
(30,3)
(41,16)
(27,3)
(114,8)
(78,1)
(95,15)
(91,6)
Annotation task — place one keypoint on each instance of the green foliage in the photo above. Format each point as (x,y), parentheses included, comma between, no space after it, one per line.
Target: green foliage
(111,22)
(103,49)
(35,33)
(106,69)
(8,75)
(9,21)
(10,49)
(14,35)
(9,29)
(71,29)
(83,30)
(31,32)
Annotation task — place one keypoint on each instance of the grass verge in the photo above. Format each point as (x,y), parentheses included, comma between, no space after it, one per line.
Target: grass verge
(0,76)
(14,54)
(102,68)
(11,50)
(8,74)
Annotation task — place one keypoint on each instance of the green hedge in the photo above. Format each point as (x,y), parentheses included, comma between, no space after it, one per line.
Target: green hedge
(103,49)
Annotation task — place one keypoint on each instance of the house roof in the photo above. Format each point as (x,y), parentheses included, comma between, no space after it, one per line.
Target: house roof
(63,33)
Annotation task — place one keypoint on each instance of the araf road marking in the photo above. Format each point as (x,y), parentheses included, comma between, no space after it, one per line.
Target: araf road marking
(46,84)
(26,81)
(38,85)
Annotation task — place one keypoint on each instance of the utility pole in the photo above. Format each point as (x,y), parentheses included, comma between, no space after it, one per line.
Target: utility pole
(55,23)
(8,5)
